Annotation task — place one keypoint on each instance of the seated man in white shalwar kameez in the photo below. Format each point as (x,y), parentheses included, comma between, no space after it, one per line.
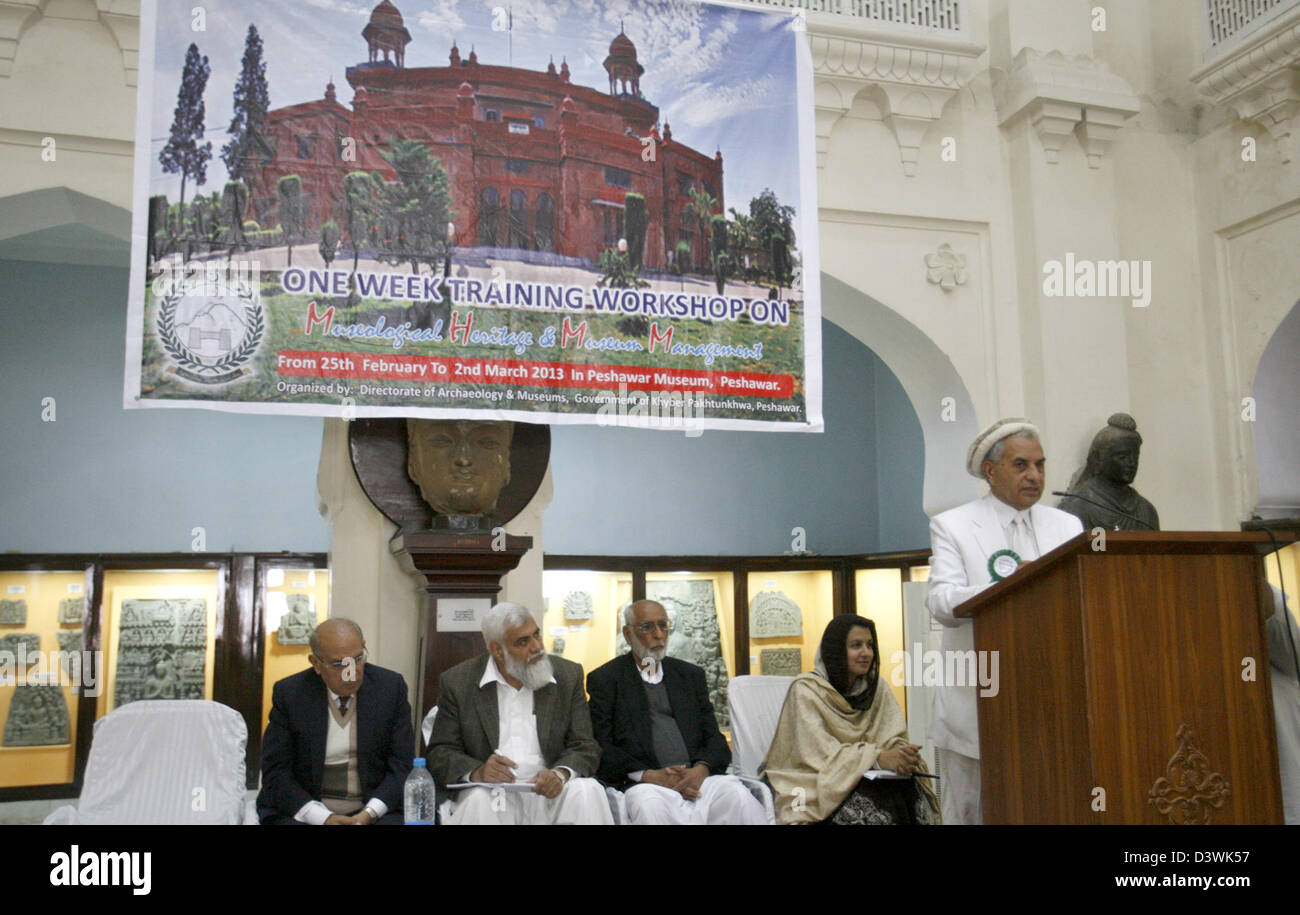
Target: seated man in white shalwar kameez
(515,722)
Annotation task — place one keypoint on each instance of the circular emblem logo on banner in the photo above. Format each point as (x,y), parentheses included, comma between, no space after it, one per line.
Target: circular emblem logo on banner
(211,338)
(1003,563)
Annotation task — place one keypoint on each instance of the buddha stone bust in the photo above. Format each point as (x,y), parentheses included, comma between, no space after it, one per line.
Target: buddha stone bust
(297,624)
(1107,479)
(460,467)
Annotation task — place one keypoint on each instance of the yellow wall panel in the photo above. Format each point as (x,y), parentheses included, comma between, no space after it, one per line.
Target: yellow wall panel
(280,661)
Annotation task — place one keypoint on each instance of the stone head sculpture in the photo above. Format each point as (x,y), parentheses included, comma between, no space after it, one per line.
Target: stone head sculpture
(1113,456)
(460,466)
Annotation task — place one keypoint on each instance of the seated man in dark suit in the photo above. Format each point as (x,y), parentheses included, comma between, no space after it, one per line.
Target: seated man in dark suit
(339,743)
(657,732)
(515,716)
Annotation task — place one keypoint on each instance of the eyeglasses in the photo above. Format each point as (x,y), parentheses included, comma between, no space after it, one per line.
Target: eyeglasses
(649,626)
(345,663)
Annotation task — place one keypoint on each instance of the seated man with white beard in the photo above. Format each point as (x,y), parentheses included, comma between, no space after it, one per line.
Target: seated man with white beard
(659,739)
(515,716)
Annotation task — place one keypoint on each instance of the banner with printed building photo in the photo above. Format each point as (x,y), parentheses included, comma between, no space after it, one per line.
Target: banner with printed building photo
(583,211)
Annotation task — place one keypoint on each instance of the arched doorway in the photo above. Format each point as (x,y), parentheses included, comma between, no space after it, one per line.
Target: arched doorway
(1276,393)
(929,379)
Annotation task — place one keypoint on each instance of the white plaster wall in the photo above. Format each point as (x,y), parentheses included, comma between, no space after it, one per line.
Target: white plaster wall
(524,584)
(367,581)
(1169,364)
(68,82)
(1247,236)
(876,228)
(1061,25)
(927,376)
(1171,190)
(1258,279)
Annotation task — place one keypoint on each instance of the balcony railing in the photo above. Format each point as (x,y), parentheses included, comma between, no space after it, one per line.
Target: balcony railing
(942,15)
(1227,22)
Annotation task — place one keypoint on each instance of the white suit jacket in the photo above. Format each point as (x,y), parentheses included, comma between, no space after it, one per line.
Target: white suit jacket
(961,541)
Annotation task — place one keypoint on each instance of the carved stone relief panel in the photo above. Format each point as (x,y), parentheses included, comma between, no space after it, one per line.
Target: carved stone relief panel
(38,717)
(161,653)
(781,662)
(69,640)
(13,612)
(71,609)
(695,635)
(297,625)
(70,645)
(31,642)
(772,615)
(578,606)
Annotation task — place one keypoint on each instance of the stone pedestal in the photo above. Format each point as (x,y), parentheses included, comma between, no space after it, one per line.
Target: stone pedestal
(455,567)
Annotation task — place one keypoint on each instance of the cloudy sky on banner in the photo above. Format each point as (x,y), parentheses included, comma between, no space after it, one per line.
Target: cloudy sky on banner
(722,77)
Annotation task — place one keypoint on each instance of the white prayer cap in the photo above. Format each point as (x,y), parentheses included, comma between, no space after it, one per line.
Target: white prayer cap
(1003,428)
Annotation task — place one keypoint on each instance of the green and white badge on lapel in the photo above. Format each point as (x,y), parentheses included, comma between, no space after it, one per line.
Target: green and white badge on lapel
(1003,563)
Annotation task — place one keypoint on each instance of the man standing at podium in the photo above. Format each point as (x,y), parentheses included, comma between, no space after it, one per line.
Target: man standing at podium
(973,546)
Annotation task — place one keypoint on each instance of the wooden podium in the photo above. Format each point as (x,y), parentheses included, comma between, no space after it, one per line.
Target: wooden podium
(1140,670)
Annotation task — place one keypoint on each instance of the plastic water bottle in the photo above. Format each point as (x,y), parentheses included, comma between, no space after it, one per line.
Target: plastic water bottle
(419,799)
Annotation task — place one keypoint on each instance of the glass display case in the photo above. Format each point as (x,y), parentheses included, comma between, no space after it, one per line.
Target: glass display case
(788,611)
(294,598)
(880,599)
(159,631)
(733,615)
(701,608)
(83,634)
(581,614)
(41,675)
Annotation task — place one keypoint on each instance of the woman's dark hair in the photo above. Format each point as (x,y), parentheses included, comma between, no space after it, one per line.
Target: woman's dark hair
(835,653)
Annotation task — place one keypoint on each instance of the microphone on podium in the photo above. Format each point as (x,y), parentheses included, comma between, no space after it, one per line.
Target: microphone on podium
(1072,495)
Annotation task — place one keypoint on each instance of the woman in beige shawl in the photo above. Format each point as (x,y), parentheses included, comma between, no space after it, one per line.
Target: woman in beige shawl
(835,726)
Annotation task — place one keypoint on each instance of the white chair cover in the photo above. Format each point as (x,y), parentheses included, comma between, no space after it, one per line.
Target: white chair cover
(755,702)
(164,762)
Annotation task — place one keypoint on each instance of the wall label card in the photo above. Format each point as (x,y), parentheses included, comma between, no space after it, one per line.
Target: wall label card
(461,614)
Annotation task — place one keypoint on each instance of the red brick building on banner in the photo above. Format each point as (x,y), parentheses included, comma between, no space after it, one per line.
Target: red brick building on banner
(535,161)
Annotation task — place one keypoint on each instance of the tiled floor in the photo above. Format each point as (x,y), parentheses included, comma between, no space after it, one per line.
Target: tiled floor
(23,813)
(18,813)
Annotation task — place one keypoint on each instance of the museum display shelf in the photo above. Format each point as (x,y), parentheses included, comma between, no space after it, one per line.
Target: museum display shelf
(581,613)
(41,615)
(795,597)
(293,596)
(106,629)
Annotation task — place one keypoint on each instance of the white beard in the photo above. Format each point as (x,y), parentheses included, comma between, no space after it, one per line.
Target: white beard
(641,653)
(533,676)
